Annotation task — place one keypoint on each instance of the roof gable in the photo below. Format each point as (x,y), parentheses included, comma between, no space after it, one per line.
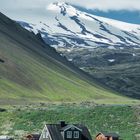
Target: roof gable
(114,135)
(69,127)
(54,131)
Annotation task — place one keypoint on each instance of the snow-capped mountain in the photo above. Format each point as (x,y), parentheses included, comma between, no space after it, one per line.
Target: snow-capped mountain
(65,26)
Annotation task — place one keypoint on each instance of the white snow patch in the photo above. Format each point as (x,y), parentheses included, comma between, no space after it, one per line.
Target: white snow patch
(68,50)
(136,48)
(134,54)
(111,60)
(71,11)
(70,59)
(42,35)
(120,24)
(112,48)
(85,17)
(52,7)
(121,48)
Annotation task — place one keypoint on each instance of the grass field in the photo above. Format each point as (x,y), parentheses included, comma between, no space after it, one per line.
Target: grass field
(120,119)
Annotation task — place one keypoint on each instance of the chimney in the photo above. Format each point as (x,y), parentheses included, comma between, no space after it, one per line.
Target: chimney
(62,123)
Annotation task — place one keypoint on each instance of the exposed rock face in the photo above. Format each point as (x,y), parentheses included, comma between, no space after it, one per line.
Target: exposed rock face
(1,60)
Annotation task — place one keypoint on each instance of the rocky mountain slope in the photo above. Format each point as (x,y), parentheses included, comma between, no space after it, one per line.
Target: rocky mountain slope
(118,69)
(106,48)
(31,71)
(65,26)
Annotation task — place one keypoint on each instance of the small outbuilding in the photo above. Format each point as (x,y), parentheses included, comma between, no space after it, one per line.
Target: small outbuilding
(107,136)
(32,137)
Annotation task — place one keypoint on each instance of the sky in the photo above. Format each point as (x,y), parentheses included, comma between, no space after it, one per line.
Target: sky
(124,10)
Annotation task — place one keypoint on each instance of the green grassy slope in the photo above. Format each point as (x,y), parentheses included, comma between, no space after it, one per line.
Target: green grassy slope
(33,72)
(120,119)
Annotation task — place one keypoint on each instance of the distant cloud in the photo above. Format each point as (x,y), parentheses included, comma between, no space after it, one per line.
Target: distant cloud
(103,5)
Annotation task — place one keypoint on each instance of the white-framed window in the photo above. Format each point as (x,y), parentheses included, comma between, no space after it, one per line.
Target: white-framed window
(69,134)
(76,134)
(45,135)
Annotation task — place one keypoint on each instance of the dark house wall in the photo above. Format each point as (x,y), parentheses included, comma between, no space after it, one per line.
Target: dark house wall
(73,132)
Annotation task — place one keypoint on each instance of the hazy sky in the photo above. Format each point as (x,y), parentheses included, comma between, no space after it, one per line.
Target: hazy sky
(92,4)
(15,8)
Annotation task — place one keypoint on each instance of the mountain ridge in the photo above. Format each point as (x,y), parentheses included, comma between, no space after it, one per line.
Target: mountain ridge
(70,27)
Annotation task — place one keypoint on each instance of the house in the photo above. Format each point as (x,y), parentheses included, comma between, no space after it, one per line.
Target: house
(65,131)
(32,137)
(107,136)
